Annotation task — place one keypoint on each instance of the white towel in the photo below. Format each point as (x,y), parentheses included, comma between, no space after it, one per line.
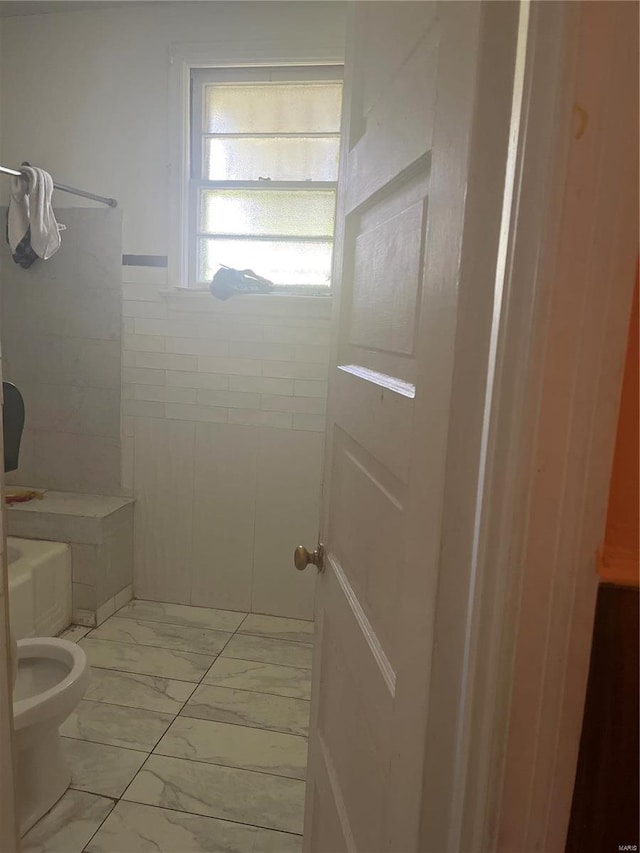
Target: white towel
(30,207)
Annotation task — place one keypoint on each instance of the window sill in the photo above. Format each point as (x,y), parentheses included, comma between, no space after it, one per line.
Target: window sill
(181,299)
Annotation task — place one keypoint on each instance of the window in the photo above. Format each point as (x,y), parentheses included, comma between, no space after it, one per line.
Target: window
(264,166)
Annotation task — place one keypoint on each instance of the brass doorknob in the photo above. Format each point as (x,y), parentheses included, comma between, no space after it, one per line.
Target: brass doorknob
(302,557)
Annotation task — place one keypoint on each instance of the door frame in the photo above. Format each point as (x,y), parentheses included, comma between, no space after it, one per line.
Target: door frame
(564,285)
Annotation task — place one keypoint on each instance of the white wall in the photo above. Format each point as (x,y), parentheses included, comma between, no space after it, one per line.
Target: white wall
(61,340)
(226,465)
(85,94)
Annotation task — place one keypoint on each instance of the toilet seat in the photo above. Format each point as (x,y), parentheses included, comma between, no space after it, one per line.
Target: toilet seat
(52,675)
(55,667)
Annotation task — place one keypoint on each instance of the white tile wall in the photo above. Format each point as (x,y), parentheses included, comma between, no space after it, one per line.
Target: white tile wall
(222,440)
(61,334)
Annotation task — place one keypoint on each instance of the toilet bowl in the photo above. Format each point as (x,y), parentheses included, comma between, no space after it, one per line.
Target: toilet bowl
(51,678)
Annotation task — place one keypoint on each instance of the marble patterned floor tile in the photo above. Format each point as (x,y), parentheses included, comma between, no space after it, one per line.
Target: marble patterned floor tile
(278,628)
(245,708)
(182,614)
(149,829)
(69,825)
(271,802)
(235,746)
(260,677)
(132,728)
(179,637)
(265,650)
(146,660)
(138,691)
(101,769)
(74,633)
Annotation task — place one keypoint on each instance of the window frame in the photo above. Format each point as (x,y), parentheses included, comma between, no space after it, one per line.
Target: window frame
(278,60)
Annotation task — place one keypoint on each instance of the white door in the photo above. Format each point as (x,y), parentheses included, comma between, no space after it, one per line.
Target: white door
(412,83)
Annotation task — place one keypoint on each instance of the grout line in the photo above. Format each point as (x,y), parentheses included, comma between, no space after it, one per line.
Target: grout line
(213,764)
(145,674)
(117,745)
(248,689)
(130,707)
(269,663)
(277,639)
(115,801)
(239,725)
(236,725)
(212,817)
(147,646)
(136,618)
(228,766)
(138,644)
(100,743)
(171,624)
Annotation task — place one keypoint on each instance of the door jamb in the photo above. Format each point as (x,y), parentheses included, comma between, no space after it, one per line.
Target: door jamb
(570,252)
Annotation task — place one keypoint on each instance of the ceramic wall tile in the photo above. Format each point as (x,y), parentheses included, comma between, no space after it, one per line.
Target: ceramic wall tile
(272,802)
(45,525)
(235,746)
(310,388)
(75,633)
(212,381)
(118,548)
(164,482)
(196,413)
(61,337)
(83,597)
(253,372)
(65,361)
(311,423)
(223,516)
(305,405)
(77,463)
(261,384)
(253,417)
(86,562)
(287,513)
(148,829)
(246,708)
(72,408)
(124,596)
(294,370)
(104,610)
(85,618)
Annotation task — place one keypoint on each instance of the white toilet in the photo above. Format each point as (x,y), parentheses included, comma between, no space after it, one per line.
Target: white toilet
(49,680)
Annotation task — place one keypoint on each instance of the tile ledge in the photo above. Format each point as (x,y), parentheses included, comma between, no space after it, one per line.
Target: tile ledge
(184,299)
(71,504)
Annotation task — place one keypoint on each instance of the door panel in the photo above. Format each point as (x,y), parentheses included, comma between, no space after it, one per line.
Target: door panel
(410,84)
(363,489)
(396,45)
